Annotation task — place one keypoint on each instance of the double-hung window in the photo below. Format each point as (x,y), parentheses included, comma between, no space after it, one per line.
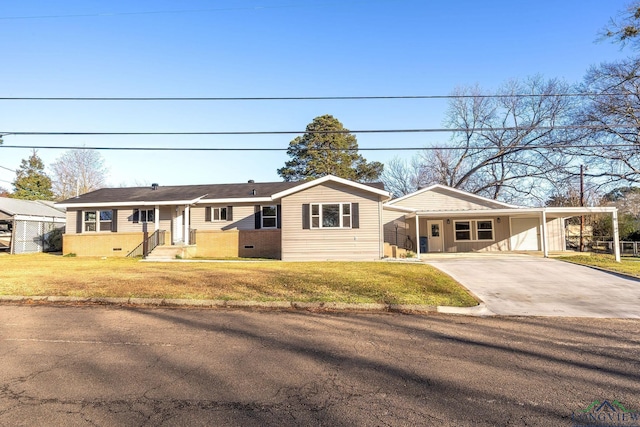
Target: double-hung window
(475,230)
(94,221)
(269,216)
(330,215)
(219,214)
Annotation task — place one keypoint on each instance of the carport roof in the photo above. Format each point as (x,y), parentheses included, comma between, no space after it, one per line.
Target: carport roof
(550,212)
(14,207)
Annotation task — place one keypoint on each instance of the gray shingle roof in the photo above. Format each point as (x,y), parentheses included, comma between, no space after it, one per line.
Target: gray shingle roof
(186,192)
(29,207)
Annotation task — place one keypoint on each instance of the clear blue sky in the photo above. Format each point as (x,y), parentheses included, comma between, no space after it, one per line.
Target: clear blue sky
(262,48)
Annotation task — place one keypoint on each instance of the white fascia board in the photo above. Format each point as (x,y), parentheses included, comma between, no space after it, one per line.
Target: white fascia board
(332,178)
(127,204)
(454,190)
(398,208)
(39,218)
(570,211)
(477,212)
(243,200)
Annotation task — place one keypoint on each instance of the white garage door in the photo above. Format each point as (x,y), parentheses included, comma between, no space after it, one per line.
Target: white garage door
(525,234)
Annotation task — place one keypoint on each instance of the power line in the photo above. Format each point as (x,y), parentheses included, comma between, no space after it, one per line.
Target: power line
(305,98)
(323,132)
(427,148)
(6,168)
(167,12)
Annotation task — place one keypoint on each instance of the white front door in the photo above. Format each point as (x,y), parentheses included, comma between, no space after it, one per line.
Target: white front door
(434,236)
(178,228)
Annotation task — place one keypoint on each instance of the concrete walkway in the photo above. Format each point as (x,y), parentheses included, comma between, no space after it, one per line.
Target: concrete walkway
(524,285)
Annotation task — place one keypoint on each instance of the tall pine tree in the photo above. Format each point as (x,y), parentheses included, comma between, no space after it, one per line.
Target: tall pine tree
(31,182)
(327,148)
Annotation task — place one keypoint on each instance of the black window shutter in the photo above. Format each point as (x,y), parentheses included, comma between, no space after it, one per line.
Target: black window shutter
(229,213)
(355,215)
(136,216)
(305,216)
(207,213)
(258,211)
(114,220)
(278,216)
(79,221)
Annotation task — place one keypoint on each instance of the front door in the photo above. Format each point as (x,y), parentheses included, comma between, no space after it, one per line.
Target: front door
(178,227)
(434,236)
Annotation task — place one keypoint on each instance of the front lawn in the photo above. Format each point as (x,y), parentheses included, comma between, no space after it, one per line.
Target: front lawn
(628,265)
(349,282)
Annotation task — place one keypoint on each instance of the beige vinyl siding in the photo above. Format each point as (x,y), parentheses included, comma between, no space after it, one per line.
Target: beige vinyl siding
(439,199)
(390,219)
(556,234)
(72,218)
(362,243)
(500,235)
(243,218)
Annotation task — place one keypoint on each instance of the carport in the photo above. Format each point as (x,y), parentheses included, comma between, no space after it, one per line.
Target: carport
(29,225)
(522,226)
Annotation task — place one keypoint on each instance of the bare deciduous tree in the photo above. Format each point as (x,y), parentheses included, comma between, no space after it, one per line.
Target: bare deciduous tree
(402,177)
(612,107)
(78,172)
(504,146)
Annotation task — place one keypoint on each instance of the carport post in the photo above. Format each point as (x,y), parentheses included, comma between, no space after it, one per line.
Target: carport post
(417,237)
(543,231)
(616,235)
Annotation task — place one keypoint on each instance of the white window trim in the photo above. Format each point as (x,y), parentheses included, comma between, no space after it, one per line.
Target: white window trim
(146,221)
(341,215)
(219,209)
(262,216)
(97,221)
(473,230)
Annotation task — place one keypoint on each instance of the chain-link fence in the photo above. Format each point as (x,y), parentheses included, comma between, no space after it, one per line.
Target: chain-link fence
(36,236)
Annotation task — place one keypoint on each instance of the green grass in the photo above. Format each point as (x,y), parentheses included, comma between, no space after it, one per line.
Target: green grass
(350,282)
(628,265)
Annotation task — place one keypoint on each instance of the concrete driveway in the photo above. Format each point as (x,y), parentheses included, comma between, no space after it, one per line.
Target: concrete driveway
(523,285)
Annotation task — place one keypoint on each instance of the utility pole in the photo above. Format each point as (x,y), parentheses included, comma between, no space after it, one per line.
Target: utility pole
(581,205)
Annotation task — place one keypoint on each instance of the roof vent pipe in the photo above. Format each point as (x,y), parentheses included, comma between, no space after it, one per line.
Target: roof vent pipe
(253,192)
(251,181)
(154,186)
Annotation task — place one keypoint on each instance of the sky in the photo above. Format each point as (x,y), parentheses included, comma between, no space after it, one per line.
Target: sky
(266,48)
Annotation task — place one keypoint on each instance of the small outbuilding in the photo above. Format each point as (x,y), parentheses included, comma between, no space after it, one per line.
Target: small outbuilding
(30,226)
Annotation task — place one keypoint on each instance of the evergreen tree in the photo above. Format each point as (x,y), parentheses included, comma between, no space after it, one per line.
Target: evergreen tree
(31,182)
(327,148)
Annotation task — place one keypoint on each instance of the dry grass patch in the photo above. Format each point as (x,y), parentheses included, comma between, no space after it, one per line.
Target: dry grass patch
(354,282)
(628,265)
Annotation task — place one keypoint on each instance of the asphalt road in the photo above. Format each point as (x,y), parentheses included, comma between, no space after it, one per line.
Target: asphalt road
(107,366)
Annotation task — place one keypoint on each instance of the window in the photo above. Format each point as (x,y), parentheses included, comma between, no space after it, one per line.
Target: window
(94,221)
(331,215)
(144,215)
(106,218)
(463,230)
(219,214)
(90,220)
(473,230)
(269,216)
(485,230)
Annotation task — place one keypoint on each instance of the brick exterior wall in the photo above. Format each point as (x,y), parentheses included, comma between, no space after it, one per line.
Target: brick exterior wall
(101,244)
(266,244)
